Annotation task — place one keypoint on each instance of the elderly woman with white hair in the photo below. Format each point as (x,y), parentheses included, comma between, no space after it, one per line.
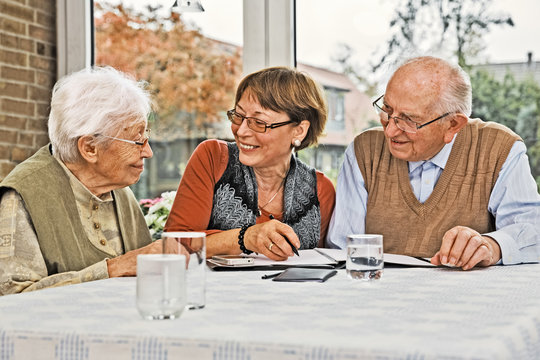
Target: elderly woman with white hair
(66,213)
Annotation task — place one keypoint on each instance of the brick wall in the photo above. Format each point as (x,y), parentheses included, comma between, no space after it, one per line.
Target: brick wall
(27,74)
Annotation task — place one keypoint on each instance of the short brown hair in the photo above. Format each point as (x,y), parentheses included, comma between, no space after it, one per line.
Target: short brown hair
(287,90)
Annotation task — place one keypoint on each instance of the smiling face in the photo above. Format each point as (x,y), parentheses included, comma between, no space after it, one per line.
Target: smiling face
(271,149)
(120,164)
(411,93)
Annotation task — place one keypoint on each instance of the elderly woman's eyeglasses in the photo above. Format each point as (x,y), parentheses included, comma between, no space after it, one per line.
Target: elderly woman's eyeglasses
(254,123)
(402,123)
(142,142)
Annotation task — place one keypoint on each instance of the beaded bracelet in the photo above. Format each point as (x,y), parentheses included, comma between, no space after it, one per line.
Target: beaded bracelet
(241,239)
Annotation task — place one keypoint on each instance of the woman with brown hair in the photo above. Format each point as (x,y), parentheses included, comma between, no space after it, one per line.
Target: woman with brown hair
(253,194)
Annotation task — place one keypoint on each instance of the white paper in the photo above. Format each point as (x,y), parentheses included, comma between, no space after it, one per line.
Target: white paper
(336,254)
(307,257)
(341,255)
(406,260)
(323,256)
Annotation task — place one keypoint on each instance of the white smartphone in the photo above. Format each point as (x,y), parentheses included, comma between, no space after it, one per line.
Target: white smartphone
(235,260)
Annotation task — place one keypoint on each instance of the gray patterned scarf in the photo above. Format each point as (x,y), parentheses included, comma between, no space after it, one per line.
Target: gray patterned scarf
(236,203)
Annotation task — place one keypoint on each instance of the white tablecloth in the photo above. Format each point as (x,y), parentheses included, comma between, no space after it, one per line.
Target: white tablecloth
(410,314)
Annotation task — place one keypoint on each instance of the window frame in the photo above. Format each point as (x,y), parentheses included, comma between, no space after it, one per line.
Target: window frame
(269,34)
(74,35)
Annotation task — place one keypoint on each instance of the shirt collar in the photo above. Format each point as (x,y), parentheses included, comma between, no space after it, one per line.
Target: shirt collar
(440,159)
(81,192)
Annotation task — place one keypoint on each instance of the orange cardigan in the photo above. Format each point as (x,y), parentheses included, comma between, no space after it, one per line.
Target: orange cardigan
(192,206)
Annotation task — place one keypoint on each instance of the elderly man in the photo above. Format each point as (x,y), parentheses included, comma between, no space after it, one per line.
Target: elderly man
(66,214)
(436,183)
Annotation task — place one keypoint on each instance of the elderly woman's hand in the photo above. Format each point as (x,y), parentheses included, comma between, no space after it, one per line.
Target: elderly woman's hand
(268,239)
(126,265)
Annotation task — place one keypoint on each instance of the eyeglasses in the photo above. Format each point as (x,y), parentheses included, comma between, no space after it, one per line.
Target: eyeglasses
(403,124)
(140,143)
(254,123)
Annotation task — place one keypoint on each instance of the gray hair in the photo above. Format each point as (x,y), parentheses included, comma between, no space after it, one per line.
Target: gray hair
(99,100)
(455,95)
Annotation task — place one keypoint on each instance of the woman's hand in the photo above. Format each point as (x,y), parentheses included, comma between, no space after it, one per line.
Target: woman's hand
(268,239)
(126,265)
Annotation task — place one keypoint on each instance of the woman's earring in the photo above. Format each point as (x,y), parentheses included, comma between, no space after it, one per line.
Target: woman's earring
(297,143)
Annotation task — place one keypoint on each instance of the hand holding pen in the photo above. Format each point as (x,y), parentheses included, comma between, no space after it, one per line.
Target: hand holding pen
(273,239)
(294,249)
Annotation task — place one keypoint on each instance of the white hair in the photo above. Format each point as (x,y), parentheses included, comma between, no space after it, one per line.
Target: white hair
(455,95)
(99,100)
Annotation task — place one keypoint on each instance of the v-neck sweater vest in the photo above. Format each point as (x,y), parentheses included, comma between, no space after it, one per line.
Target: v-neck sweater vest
(460,196)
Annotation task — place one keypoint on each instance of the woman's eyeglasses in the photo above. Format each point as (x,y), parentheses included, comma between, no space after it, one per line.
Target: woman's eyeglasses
(254,123)
(141,143)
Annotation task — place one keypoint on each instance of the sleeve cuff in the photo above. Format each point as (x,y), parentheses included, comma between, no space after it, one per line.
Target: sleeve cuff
(97,271)
(509,253)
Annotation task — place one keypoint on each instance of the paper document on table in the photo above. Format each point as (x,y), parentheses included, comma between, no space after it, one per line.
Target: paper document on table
(319,257)
(307,258)
(407,260)
(334,254)
(341,255)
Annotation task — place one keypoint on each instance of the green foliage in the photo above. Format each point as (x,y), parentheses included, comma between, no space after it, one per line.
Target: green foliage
(156,211)
(513,103)
(534,152)
(421,26)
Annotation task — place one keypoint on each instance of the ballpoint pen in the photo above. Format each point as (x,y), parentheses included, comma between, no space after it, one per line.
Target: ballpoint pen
(270,276)
(294,249)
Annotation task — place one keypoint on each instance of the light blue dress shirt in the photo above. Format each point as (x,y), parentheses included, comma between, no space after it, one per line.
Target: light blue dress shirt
(514,202)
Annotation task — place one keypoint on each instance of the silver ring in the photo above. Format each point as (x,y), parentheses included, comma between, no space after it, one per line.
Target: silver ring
(270,247)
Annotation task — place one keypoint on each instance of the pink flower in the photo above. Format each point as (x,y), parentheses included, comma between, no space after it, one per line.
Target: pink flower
(146,202)
(149,202)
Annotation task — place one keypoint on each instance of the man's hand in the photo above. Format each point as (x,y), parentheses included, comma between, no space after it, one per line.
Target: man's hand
(126,265)
(464,247)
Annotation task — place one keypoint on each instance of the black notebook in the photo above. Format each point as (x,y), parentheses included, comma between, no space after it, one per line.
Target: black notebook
(303,274)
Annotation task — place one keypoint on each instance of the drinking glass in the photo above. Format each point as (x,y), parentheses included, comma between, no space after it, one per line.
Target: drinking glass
(195,244)
(161,285)
(365,256)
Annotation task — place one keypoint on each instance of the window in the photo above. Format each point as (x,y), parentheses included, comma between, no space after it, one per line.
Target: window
(336,109)
(192,63)
(350,44)
(357,40)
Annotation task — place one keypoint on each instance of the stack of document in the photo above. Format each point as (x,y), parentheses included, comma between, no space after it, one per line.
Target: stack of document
(315,258)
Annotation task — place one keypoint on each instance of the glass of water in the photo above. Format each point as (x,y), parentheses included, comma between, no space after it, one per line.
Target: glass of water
(195,244)
(161,285)
(365,256)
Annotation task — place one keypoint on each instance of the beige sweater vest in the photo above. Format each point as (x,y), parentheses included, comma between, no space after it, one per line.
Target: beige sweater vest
(45,189)
(460,196)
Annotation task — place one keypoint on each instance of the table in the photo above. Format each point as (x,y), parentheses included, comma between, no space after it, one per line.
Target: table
(412,313)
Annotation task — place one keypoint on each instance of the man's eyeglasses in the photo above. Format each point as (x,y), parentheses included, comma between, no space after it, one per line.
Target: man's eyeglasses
(254,123)
(402,123)
(140,143)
